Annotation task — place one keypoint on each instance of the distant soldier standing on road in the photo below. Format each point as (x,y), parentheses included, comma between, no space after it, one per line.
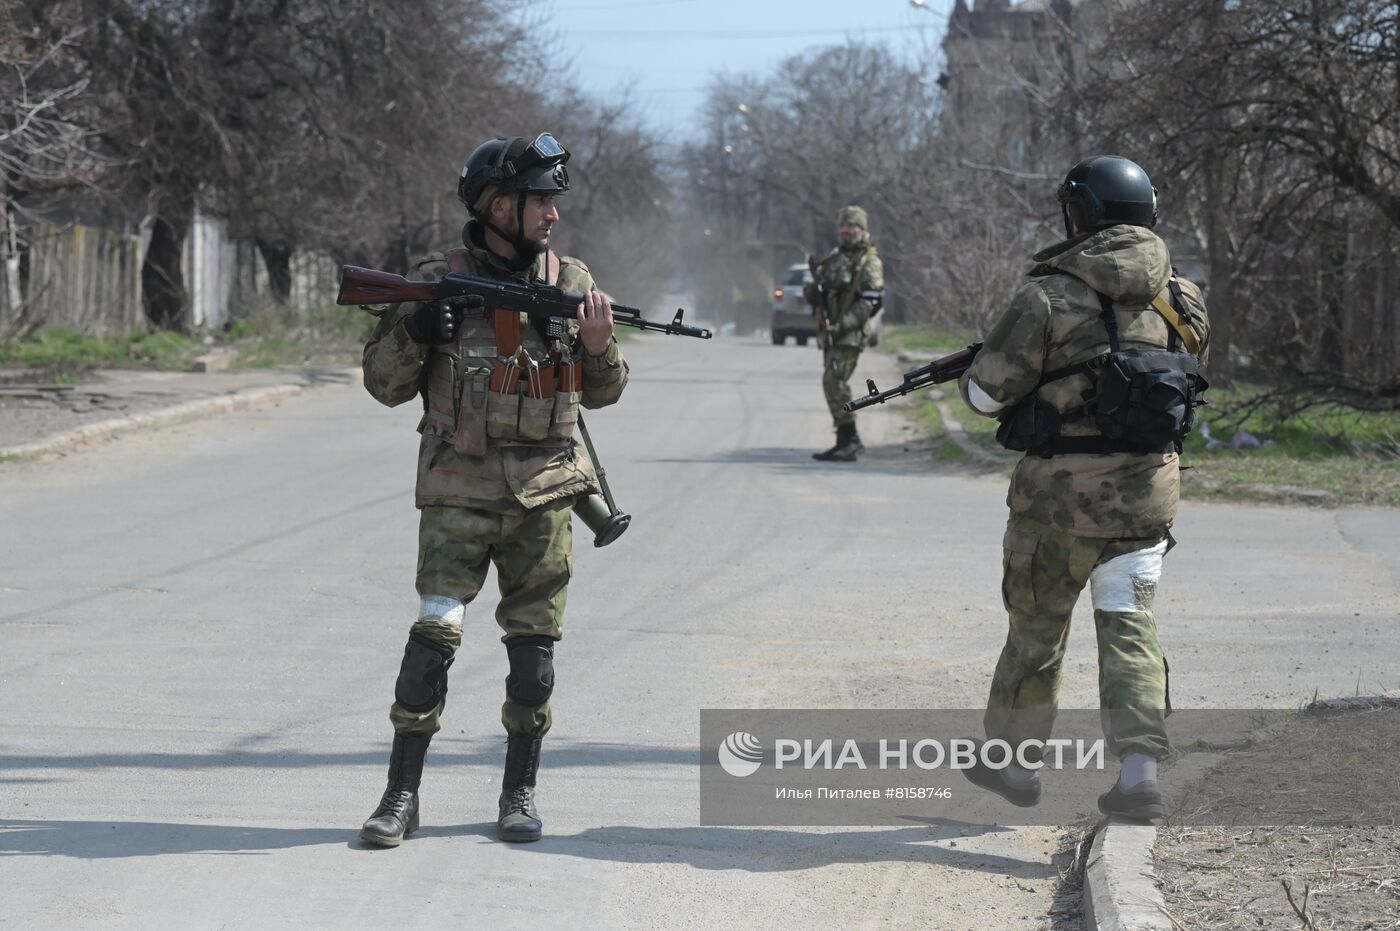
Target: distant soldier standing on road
(498,468)
(851,281)
(1093,371)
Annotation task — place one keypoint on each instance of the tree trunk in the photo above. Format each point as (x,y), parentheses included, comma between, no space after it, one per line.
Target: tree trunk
(278,259)
(1220,296)
(1332,320)
(162,280)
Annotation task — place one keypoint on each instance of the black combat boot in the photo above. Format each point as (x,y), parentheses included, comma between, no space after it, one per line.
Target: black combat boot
(984,777)
(843,438)
(1143,803)
(519,821)
(397,814)
(852,448)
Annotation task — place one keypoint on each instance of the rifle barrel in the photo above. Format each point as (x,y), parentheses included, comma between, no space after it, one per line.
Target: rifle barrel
(944,369)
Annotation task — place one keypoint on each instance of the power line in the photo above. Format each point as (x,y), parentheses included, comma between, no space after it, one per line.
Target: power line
(678,35)
(669,90)
(619,6)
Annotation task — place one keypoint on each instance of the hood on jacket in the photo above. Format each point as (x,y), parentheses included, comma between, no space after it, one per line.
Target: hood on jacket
(1129,264)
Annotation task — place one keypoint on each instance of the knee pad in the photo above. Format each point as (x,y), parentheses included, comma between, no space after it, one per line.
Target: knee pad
(422,680)
(531,679)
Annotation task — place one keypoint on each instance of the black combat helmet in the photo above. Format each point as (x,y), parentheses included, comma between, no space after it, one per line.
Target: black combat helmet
(1104,191)
(513,166)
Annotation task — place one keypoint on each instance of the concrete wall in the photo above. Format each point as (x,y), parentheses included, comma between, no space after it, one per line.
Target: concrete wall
(88,278)
(79,278)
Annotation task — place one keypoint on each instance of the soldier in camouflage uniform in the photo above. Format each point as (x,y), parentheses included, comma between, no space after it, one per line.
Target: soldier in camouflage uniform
(853,279)
(498,468)
(1086,510)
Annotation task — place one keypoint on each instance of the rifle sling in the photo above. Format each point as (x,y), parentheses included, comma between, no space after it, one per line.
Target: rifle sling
(1177,321)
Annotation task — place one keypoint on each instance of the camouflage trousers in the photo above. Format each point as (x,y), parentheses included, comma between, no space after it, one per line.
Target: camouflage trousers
(838,365)
(532,552)
(1044,570)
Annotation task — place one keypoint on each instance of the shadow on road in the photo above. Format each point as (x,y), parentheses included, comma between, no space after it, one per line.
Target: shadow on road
(100,840)
(769,850)
(755,850)
(444,752)
(888,458)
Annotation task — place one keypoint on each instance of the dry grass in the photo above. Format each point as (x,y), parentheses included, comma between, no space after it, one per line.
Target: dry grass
(1331,860)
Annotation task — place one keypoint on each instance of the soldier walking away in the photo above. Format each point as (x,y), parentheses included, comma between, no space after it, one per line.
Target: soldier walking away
(846,293)
(498,467)
(1093,371)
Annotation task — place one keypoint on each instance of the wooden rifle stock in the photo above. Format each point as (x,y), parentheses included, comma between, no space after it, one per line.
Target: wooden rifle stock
(951,366)
(371,286)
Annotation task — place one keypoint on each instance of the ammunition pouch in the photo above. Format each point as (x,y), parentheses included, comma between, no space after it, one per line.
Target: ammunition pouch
(1148,397)
(528,401)
(1028,426)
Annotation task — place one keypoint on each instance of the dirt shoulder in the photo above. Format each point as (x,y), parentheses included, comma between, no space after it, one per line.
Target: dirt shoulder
(1330,859)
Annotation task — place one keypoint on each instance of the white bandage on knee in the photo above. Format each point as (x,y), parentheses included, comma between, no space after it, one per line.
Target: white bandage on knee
(442,608)
(984,402)
(1128,582)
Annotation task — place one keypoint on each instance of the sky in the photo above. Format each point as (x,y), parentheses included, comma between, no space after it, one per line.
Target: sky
(667,50)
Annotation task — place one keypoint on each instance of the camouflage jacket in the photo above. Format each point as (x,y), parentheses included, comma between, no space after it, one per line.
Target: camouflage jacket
(846,272)
(1054,322)
(515,469)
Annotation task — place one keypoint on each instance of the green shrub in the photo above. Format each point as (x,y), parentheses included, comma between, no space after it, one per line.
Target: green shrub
(66,350)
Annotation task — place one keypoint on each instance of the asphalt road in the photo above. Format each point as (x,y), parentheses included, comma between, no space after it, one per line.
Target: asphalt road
(201,628)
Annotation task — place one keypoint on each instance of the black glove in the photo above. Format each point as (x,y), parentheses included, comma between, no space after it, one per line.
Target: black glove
(436,322)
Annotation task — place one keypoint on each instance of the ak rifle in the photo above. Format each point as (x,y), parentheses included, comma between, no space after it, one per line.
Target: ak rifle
(822,308)
(938,371)
(370,286)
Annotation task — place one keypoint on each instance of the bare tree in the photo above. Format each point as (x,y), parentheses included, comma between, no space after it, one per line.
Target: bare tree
(618,215)
(957,199)
(1277,126)
(355,117)
(845,124)
(49,121)
(333,126)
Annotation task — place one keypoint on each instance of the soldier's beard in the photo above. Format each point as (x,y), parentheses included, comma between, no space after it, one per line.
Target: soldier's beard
(530,246)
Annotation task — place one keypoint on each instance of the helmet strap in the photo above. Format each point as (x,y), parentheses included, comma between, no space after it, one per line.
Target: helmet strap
(1069,227)
(517,240)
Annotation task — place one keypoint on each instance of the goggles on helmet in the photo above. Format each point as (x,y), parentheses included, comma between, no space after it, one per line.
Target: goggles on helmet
(544,152)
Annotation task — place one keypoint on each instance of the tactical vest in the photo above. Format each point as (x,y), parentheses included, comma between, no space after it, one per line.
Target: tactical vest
(1142,400)
(843,277)
(499,383)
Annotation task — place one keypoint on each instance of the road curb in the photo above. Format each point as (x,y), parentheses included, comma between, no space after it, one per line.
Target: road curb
(951,424)
(1120,876)
(163,417)
(959,436)
(1120,880)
